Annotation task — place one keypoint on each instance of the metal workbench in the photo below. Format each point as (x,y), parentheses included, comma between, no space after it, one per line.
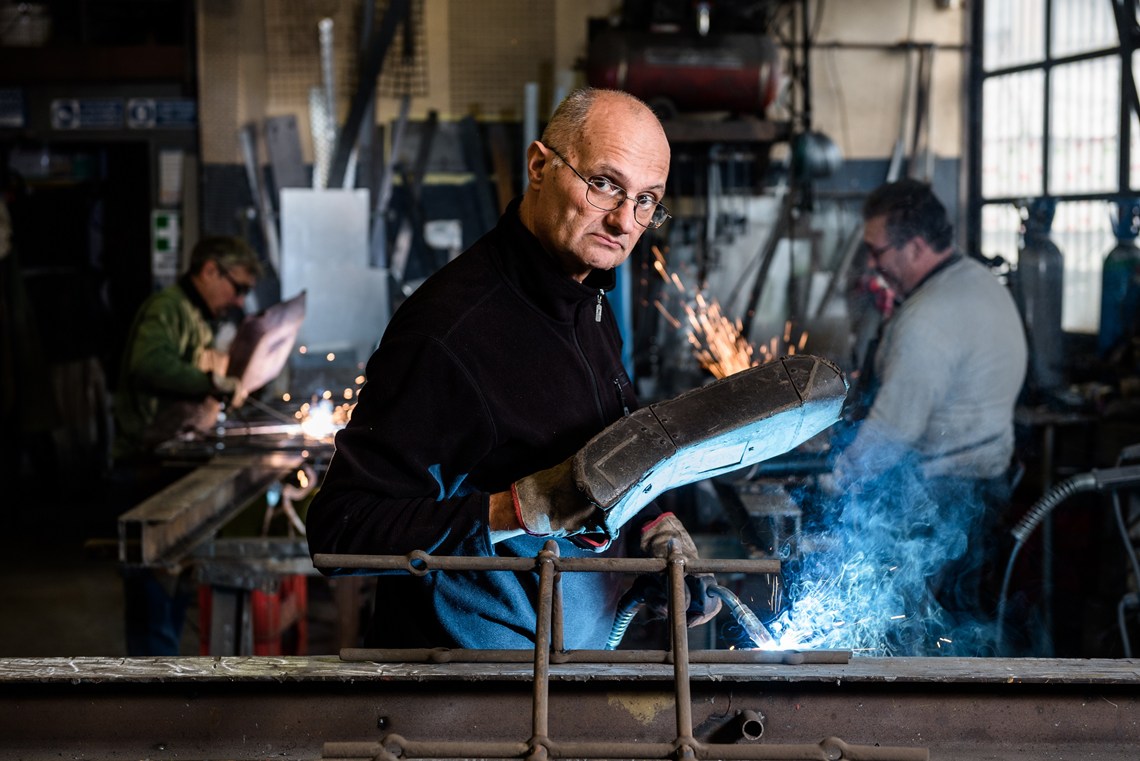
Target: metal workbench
(746,705)
(307,708)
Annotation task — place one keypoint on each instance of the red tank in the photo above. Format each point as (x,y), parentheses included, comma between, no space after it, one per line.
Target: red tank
(678,73)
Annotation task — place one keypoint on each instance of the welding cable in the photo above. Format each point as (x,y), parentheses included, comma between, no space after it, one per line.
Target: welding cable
(1129,599)
(1037,513)
(630,603)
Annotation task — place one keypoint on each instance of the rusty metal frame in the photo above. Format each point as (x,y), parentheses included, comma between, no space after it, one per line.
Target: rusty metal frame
(549,641)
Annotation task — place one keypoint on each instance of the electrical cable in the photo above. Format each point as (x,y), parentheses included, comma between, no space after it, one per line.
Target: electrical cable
(1023,529)
(1111,479)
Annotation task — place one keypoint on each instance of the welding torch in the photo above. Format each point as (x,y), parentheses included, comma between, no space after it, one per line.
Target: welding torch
(633,602)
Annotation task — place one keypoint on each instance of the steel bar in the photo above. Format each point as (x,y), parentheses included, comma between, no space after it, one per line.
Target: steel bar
(540,726)
(164,528)
(396,13)
(962,709)
(419,562)
(446,655)
(557,617)
(830,749)
(680,644)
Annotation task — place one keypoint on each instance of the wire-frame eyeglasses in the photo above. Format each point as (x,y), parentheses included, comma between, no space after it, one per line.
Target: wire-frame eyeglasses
(603,194)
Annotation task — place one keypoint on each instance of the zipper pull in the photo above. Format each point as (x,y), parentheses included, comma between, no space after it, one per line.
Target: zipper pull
(621,397)
(598,306)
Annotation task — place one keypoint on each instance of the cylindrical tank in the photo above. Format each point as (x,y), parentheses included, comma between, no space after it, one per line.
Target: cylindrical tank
(676,72)
(1038,290)
(1116,279)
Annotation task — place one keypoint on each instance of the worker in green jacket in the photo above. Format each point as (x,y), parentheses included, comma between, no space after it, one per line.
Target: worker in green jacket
(172,377)
(172,381)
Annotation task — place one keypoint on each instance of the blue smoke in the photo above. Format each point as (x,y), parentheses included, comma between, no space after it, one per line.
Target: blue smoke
(897,570)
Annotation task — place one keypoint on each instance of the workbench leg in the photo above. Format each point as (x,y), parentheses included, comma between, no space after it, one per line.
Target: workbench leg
(231,625)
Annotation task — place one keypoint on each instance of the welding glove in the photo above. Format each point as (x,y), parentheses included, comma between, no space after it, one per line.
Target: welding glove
(213,361)
(550,503)
(230,387)
(658,539)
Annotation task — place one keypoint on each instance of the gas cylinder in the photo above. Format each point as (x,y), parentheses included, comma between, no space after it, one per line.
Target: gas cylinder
(1116,279)
(678,73)
(1038,290)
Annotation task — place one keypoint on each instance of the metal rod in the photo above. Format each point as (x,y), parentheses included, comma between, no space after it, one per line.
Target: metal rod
(472,655)
(829,748)
(557,629)
(542,642)
(421,562)
(677,611)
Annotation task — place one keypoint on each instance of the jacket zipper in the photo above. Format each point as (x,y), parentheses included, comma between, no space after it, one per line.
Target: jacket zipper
(586,359)
(621,397)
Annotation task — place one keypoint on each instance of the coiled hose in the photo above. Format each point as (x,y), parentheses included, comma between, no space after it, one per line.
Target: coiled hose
(633,602)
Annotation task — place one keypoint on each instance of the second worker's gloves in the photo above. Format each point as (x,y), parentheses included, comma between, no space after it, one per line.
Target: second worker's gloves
(549,503)
(229,387)
(658,539)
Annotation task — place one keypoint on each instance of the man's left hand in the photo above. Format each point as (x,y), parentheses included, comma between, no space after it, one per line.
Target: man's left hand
(659,538)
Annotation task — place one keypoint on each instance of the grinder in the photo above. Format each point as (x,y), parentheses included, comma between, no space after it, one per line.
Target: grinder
(728,424)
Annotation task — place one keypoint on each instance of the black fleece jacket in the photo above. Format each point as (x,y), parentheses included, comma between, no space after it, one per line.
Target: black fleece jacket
(498,366)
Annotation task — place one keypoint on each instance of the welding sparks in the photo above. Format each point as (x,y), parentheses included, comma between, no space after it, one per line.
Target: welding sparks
(717,341)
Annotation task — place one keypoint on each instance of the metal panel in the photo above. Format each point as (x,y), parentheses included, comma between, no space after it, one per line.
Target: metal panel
(325,252)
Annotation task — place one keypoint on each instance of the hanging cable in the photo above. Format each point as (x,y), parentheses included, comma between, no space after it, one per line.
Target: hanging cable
(1111,479)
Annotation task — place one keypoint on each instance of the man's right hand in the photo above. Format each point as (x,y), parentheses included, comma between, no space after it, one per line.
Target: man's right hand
(213,361)
(549,503)
(230,387)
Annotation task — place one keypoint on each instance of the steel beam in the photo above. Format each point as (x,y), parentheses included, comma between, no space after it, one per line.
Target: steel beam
(163,529)
(255,708)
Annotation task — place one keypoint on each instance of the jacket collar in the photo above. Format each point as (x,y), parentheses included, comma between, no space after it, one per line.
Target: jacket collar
(536,273)
(195,298)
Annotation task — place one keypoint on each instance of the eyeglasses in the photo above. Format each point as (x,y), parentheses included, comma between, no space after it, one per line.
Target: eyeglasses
(240,289)
(602,193)
(877,251)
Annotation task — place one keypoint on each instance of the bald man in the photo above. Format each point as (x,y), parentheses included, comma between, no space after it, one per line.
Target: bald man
(488,378)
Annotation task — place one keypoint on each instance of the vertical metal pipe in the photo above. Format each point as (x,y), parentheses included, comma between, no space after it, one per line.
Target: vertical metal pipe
(680,646)
(542,640)
(557,637)
(530,123)
(328,66)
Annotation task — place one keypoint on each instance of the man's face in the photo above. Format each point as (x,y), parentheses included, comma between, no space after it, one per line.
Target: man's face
(223,288)
(895,264)
(621,144)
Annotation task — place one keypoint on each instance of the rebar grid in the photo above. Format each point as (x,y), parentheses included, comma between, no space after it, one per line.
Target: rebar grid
(548,649)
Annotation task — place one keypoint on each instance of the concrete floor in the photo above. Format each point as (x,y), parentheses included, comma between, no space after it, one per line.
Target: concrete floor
(61,592)
(60,589)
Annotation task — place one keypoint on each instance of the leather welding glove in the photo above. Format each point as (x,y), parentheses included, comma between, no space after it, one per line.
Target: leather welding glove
(658,539)
(213,361)
(549,503)
(230,387)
